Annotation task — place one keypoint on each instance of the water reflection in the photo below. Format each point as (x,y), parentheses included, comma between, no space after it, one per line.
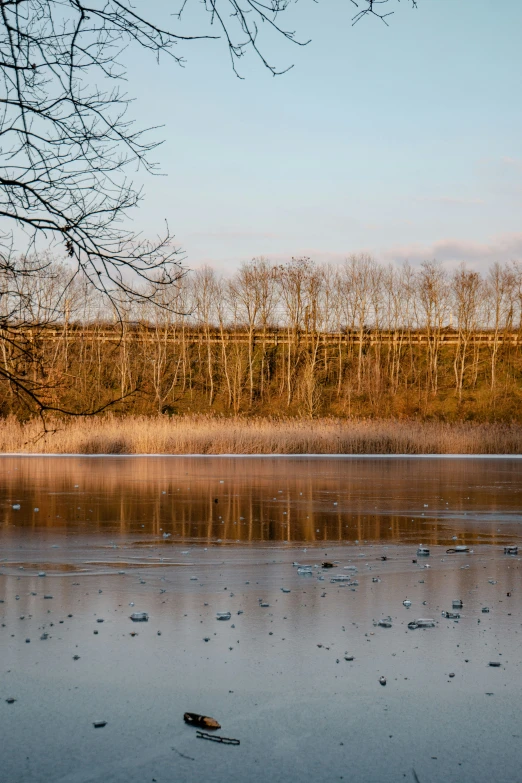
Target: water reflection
(281,500)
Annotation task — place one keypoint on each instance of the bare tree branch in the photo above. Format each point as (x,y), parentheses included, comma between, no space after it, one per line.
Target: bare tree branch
(373,8)
(67,147)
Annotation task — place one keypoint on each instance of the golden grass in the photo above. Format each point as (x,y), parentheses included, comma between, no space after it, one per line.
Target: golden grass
(211,435)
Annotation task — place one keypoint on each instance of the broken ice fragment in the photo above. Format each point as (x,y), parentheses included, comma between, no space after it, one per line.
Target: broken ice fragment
(139,617)
(421,623)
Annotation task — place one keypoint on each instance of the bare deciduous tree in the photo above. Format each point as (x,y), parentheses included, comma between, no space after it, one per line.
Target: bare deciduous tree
(433,295)
(466,289)
(67,142)
(500,291)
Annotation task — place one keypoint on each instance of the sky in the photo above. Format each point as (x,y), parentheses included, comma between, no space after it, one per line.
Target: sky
(402,141)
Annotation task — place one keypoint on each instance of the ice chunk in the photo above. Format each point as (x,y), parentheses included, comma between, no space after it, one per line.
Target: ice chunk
(139,617)
(423,622)
(459,549)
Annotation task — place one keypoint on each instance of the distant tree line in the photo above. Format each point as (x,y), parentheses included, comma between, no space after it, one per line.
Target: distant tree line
(300,338)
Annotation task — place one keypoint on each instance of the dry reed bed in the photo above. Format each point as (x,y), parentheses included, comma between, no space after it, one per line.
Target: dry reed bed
(209,435)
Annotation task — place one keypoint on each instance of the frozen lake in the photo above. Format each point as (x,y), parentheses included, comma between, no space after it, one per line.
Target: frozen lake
(297,681)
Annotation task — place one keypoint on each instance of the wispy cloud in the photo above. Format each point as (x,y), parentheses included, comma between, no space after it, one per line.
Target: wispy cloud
(514,163)
(450,252)
(503,247)
(231,234)
(453,200)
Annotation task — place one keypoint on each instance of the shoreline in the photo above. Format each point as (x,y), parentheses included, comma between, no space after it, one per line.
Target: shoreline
(200,435)
(259,456)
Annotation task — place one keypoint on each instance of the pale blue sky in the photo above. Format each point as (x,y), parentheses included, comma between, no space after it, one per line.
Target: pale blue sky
(405,141)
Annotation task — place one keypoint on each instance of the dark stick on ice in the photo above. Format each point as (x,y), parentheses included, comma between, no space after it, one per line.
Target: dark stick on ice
(183,755)
(214,738)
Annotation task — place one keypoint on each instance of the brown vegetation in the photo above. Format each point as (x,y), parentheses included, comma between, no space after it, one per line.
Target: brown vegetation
(210,435)
(304,340)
